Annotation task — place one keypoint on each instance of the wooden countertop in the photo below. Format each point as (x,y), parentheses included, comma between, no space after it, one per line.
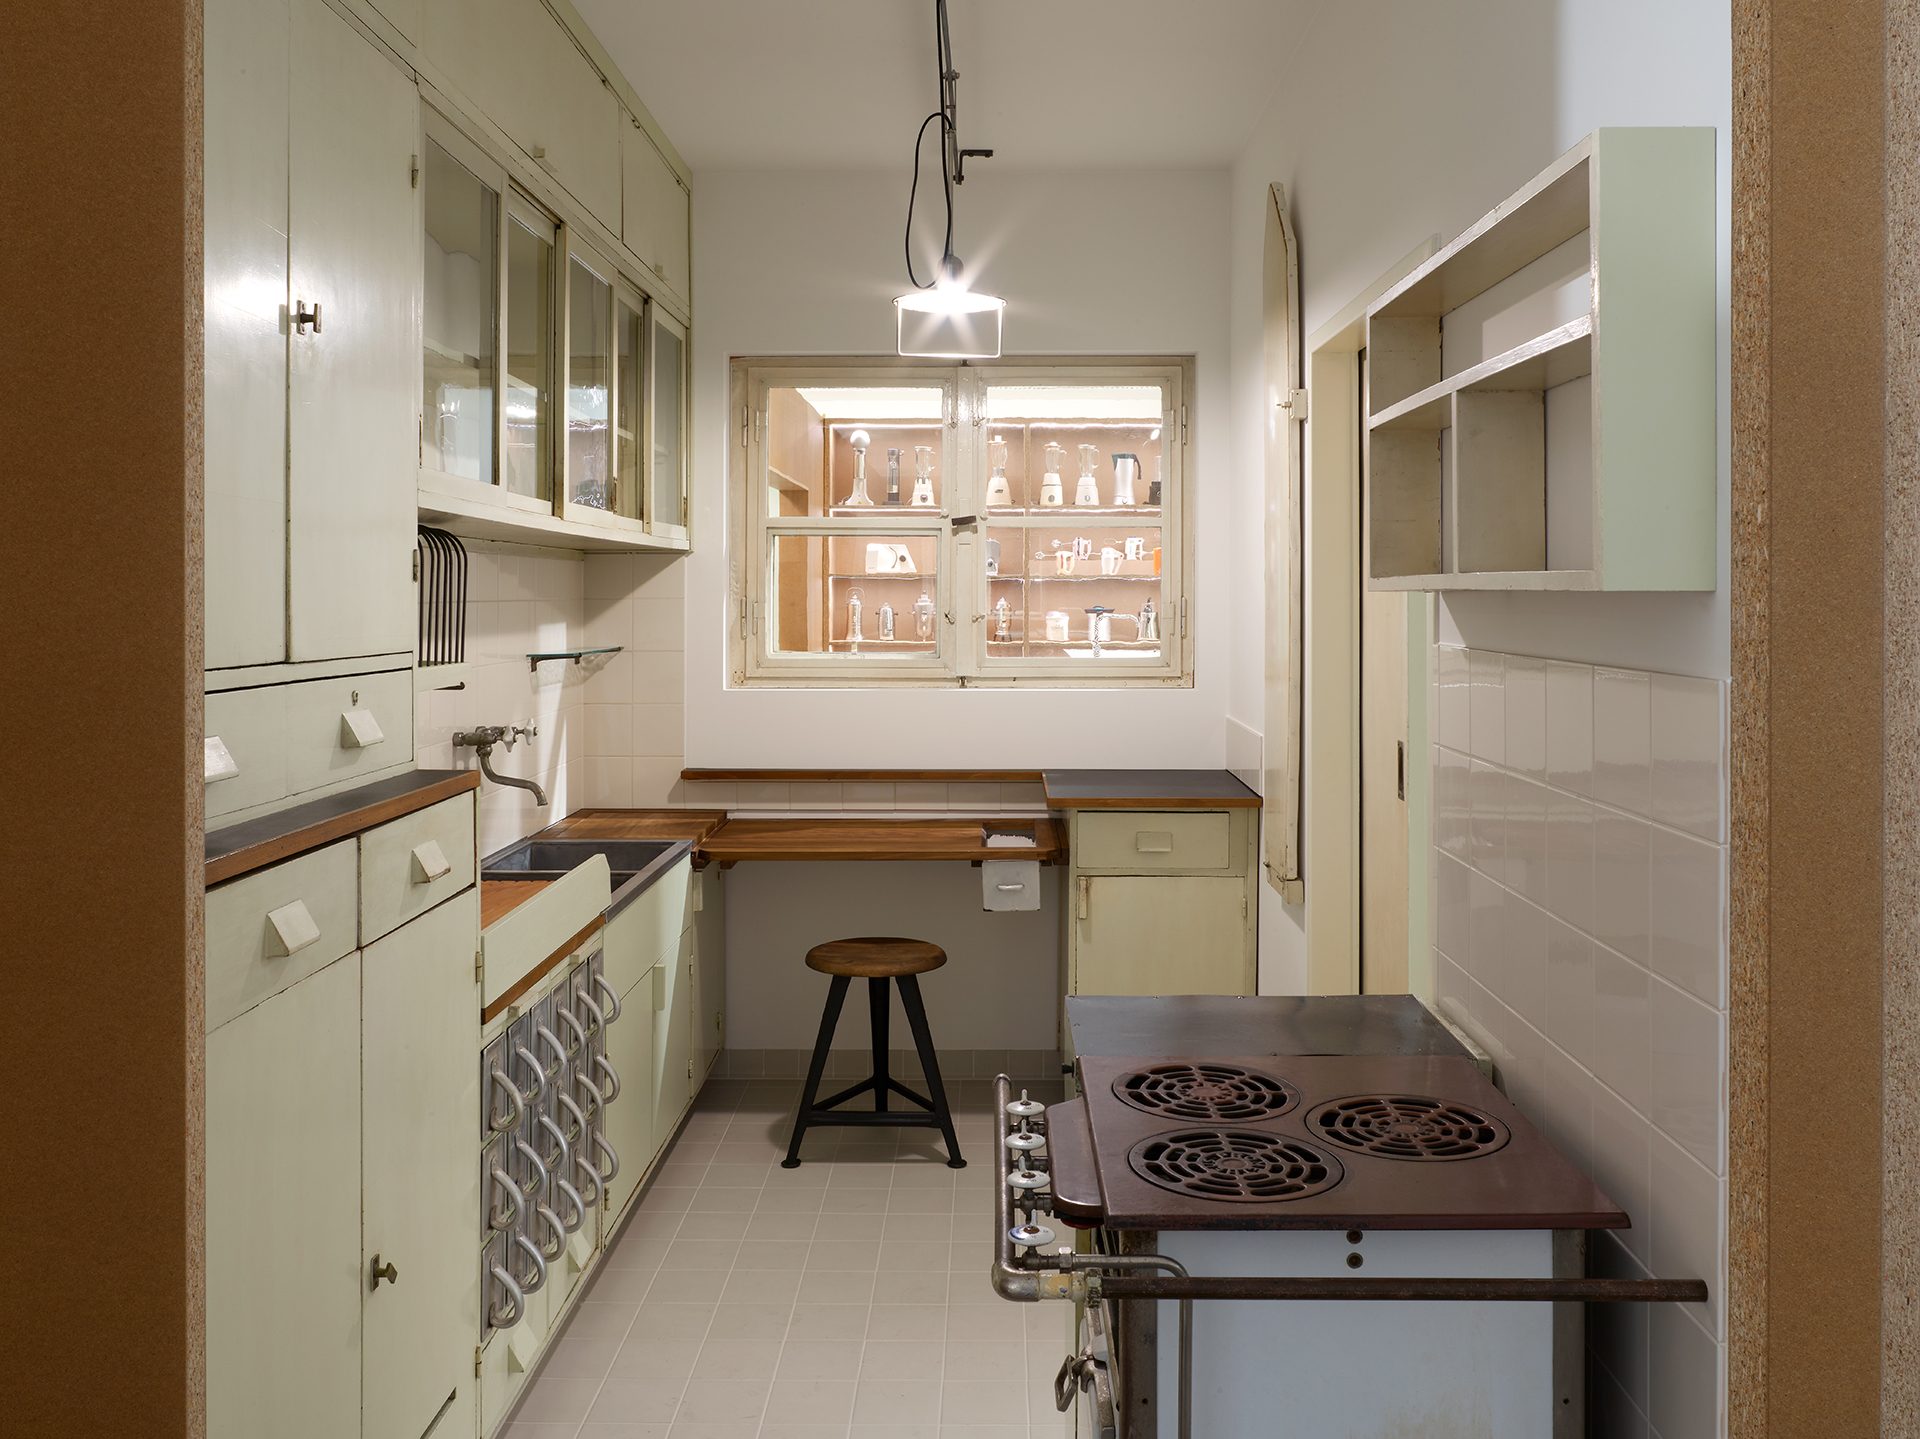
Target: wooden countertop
(873,839)
(239,849)
(688,824)
(1146,789)
(499,897)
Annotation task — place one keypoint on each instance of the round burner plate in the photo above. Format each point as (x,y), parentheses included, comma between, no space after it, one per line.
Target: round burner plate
(1407,1126)
(1212,1092)
(1236,1165)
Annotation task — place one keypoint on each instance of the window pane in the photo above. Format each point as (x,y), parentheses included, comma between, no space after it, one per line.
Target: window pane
(529,360)
(626,409)
(669,363)
(1075,446)
(1052,589)
(870,595)
(459,303)
(589,377)
(853,451)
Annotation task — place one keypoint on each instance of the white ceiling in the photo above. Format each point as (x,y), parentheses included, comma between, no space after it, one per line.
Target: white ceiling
(1046,83)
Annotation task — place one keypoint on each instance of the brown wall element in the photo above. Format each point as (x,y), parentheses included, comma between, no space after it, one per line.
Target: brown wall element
(1809,738)
(100,908)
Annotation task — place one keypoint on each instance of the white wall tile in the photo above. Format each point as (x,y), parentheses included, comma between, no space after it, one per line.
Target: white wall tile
(1687,914)
(1524,961)
(1570,727)
(654,781)
(1487,707)
(763,794)
(1450,672)
(866,796)
(1566,1092)
(973,797)
(1570,859)
(1486,932)
(1689,732)
(1451,901)
(1622,1158)
(1622,747)
(920,795)
(1452,802)
(659,731)
(1487,818)
(1691,1235)
(659,622)
(1622,1037)
(1570,990)
(1610,1413)
(609,679)
(659,677)
(1525,867)
(814,796)
(1622,855)
(1525,682)
(609,730)
(1684,1376)
(1688,1042)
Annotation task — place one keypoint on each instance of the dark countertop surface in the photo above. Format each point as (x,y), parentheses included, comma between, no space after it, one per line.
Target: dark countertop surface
(236,849)
(1197,1026)
(1146,789)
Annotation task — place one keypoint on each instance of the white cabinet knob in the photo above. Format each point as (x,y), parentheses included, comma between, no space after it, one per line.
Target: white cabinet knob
(429,862)
(220,763)
(359,729)
(293,927)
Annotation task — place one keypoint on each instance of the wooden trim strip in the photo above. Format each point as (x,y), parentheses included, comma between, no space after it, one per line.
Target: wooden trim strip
(872,839)
(862,776)
(541,970)
(256,843)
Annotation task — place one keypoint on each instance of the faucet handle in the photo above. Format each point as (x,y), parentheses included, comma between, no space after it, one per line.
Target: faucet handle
(525,731)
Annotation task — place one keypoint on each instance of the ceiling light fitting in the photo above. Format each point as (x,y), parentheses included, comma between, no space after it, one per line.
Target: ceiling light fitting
(944,318)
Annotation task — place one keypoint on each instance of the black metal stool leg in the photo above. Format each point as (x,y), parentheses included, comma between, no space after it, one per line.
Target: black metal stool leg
(880,1013)
(929,1065)
(829,1018)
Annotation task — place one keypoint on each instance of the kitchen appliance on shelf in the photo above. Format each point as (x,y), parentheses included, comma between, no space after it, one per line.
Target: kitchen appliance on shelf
(1087,490)
(1126,469)
(1052,491)
(1002,621)
(1335,1240)
(999,492)
(886,622)
(855,602)
(1159,478)
(893,477)
(923,617)
(859,440)
(922,477)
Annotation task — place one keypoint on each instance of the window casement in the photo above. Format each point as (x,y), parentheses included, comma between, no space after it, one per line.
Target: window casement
(1019,522)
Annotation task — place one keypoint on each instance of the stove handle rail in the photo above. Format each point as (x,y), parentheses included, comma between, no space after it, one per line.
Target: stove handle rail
(1029,1278)
(1518,1291)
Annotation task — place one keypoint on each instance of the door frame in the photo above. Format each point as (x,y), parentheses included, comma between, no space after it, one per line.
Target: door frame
(1335,531)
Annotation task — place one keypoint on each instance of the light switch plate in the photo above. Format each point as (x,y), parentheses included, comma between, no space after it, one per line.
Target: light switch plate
(359,729)
(293,927)
(220,763)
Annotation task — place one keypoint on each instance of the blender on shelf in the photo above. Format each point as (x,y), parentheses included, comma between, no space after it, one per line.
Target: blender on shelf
(923,616)
(1052,492)
(999,492)
(923,477)
(1087,491)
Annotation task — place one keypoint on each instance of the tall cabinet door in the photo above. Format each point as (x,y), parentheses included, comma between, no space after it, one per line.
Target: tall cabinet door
(352,403)
(420,1020)
(709,972)
(630,1117)
(284,1276)
(672,1037)
(245,268)
(1160,934)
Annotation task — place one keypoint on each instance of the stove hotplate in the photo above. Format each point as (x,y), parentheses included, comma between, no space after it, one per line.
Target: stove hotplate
(1309,1142)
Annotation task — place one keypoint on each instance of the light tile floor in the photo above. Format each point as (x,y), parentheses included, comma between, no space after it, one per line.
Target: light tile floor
(845,1299)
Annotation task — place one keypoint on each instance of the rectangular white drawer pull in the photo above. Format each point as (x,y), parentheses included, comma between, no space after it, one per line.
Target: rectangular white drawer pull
(293,927)
(220,763)
(359,729)
(1153,841)
(429,862)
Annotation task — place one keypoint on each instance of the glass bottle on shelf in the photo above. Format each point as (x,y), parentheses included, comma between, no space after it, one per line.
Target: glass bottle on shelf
(886,622)
(859,439)
(923,616)
(1052,492)
(923,477)
(854,636)
(1126,468)
(1002,620)
(893,477)
(1087,491)
(999,492)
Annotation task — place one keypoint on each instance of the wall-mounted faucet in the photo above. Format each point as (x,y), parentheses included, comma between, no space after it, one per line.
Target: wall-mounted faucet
(482,740)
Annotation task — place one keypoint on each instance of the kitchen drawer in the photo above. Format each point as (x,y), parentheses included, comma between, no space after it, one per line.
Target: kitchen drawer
(411,864)
(1156,842)
(275,927)
(339,730)
(649,929)
(251,724)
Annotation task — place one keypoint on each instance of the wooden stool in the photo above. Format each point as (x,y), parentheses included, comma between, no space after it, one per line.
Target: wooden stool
(878,961)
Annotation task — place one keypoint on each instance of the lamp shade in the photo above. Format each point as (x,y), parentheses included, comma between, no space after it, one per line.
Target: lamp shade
(949,322)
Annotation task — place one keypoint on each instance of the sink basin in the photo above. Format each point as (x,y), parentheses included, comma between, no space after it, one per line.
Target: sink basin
(552,858)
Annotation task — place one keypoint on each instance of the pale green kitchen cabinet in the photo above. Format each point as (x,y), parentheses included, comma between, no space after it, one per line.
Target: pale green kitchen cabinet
(673,1083)
(630,1118)
(709,1004)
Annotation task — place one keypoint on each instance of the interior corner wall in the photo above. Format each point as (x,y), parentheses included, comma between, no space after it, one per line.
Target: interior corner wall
(1092,263)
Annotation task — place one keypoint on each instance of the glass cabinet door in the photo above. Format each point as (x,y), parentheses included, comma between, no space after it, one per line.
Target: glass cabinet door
(666,497)
(460,319)
(629,412)
(528,468)
(589,385)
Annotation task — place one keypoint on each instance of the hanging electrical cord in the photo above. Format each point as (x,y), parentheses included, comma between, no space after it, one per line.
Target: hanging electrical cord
(913,195)
(952,158)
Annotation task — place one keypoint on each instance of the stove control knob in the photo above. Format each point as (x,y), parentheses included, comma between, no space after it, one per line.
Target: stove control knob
(1026,1179)
(1031,1235)
(1026,1139)
(1024,1108)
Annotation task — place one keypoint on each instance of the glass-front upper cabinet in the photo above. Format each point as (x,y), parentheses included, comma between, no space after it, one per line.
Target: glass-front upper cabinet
(460,320)
(589,382)
(531,239)
(667,427)
(629,402)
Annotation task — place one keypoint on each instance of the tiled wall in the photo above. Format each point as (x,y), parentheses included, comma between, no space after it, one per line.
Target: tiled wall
(519,602)
(1580,904)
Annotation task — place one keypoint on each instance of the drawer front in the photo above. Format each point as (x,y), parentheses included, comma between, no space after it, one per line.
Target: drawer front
(277,926)
(411,864)
(649,929)
(346,729)
(252,726)
(1158,842)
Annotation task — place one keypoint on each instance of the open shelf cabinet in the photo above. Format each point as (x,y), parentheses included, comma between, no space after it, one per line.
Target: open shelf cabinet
(1580,453)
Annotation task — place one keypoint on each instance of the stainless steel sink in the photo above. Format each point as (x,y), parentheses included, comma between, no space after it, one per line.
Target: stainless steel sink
(552,858)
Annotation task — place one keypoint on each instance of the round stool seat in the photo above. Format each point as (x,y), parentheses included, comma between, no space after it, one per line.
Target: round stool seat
(875,957)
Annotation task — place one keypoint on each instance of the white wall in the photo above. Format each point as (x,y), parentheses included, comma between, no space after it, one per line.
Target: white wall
(1121,262)
(1392,123)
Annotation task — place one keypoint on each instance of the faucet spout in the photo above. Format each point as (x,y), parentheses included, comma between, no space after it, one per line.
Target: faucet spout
(481,741)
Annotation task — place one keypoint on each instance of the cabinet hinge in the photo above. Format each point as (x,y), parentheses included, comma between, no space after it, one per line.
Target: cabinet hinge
(1295,404)
(476,1361)
(1183,424)
(746,423)
(479,965)
(416,567)
(413,172)
(1183,619)
(689,1069)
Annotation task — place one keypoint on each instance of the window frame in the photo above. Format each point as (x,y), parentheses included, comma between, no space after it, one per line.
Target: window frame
(959,527)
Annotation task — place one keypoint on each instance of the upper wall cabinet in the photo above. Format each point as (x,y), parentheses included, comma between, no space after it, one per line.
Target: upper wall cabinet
(654,212)
(513,60)
(1541,393)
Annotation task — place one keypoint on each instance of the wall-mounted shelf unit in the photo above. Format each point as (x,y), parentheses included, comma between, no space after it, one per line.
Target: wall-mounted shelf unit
(1580,453)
